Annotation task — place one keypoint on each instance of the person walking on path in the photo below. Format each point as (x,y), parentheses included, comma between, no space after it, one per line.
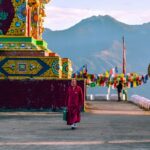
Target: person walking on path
(74,104)
(119,90)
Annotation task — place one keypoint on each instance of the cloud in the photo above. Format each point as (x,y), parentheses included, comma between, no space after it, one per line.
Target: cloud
(62,18)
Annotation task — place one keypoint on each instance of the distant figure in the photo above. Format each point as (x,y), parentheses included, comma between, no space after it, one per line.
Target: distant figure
(74,104)
(119,90)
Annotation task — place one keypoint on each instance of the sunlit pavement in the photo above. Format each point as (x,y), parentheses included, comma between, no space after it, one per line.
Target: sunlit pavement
(105,126)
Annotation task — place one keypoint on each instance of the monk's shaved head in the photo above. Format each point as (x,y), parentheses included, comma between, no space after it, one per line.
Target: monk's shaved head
(74,82)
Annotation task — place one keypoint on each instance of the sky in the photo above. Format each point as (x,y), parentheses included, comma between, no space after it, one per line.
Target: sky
(62,14)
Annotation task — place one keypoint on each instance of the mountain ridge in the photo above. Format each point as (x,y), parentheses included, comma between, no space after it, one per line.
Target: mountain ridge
(101,17)
(97,42)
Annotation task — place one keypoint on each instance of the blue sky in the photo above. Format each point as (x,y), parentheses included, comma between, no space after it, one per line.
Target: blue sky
(62,14)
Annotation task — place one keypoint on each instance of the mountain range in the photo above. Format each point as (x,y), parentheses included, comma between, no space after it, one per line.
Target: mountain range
(97,42)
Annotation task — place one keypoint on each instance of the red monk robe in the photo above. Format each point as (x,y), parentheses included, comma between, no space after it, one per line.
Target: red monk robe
(74,104)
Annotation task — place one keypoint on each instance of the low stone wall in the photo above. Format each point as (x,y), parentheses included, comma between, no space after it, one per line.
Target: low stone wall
(101,97)
(140,101)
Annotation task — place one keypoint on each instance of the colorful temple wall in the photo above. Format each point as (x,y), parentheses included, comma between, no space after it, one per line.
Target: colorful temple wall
(22,67)
(13,17)
(21,43)
(31,75)
(22,17)
(66,68)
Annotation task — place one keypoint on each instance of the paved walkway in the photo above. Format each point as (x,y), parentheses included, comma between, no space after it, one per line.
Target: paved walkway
(114,107)
(99,131)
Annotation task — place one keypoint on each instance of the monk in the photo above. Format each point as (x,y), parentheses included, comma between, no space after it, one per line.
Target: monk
(74,104)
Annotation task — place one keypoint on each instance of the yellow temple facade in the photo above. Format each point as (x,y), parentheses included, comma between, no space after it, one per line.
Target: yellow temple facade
(23,52)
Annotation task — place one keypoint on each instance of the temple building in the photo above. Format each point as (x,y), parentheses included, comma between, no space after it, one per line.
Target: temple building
(23,52)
